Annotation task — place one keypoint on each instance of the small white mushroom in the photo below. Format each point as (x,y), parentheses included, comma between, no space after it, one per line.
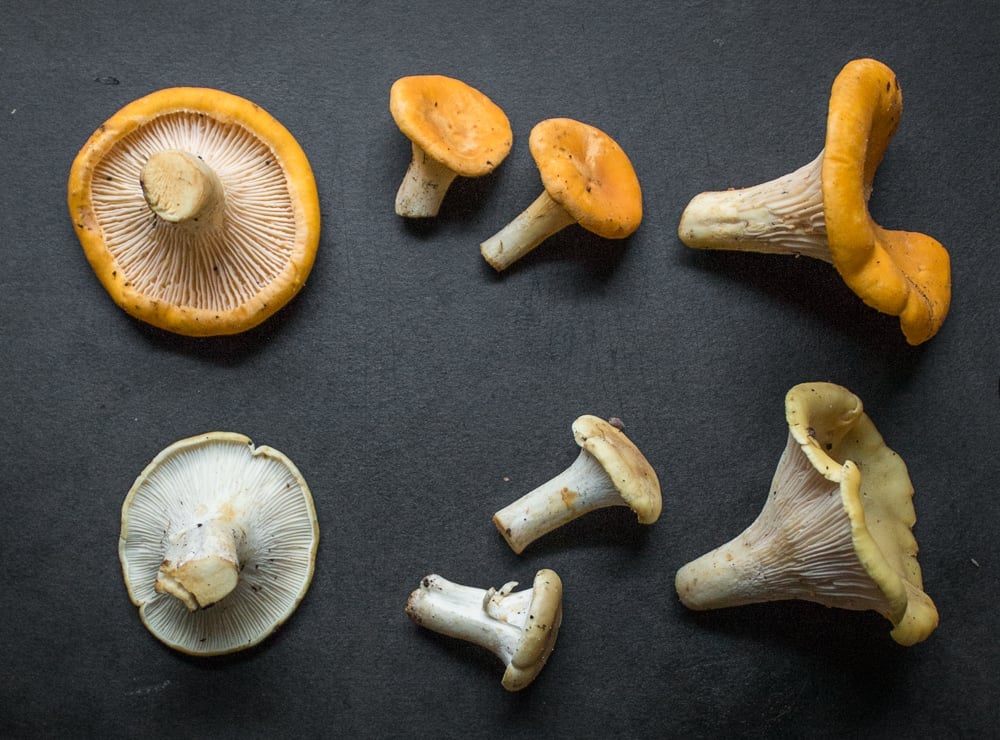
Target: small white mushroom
(518,627)
(218,543)
(609,471)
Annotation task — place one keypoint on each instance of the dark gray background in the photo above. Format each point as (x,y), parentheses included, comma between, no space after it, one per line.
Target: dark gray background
(418,392)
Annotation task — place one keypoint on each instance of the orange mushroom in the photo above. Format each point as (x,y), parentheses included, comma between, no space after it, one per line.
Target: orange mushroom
(197,210)
(588,179)
(455,130)
(821,210)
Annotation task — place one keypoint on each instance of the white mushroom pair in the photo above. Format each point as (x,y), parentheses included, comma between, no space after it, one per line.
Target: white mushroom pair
(834,530)
(521,627)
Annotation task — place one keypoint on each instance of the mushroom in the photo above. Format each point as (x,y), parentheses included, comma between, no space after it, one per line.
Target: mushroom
(519,627)
(835,529)
(197,210)
(218,543)
(455,130)
(587,179)
(609,471)
(821,210)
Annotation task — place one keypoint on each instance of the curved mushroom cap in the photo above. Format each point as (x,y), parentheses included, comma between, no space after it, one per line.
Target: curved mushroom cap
(626,466)
(246,248)
(452,122)
(541,628)
(900,273)
(256,493)
(587,173)
(828,422)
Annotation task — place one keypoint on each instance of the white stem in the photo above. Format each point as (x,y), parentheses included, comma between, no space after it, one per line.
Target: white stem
(535,224)
(799,547)
(583,487)
(424,186)
(782,216)
(201,564)
(471,614)
(180,188)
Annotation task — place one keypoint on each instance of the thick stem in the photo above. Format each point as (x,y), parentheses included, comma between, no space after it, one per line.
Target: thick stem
(799,547)
(180,188)
(423,187)
(782,216)
(583,487)
(471,614)
(201,565)
(535,224)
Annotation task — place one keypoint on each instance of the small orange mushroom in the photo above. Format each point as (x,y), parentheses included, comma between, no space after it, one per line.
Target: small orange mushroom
(454,129)
(821,210)
(588,179)
(197,210)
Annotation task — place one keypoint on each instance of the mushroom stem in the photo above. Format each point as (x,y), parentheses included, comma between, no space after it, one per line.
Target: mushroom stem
(799,547)
(535,224)
(583,487)
(493,619)
(781,216)
(201,565)
(423,187)
(181,189)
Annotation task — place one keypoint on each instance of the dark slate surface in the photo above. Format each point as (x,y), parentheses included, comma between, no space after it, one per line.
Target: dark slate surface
(418,392)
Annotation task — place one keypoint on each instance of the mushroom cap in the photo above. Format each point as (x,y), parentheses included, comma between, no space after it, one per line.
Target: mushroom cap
(900,273)
(259,490)
(541,629)
(452,122)
(626,466)
(197,282)
(842,443)
(587,173)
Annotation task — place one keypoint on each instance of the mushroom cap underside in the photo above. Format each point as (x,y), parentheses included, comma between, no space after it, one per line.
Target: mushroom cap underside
(541,629)
(256,490)
(905,274)
(626,466)
(452,122)
(192,281)
(588,173)
(843,445)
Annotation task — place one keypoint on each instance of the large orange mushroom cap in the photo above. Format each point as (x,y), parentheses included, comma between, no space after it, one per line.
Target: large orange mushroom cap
(901,273)
(197,210)
(587,173)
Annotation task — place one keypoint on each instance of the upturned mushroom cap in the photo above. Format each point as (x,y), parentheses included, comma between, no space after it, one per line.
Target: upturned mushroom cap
(541,629)
(626,466)
(586,172)
(454,129)
(836,528)
(900,273)
(218,543)
(821,210)
(197,210)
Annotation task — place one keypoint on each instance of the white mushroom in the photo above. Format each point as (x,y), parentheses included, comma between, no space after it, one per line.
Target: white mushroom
(609,471)
(519,627)
(834,530)
(218,543)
